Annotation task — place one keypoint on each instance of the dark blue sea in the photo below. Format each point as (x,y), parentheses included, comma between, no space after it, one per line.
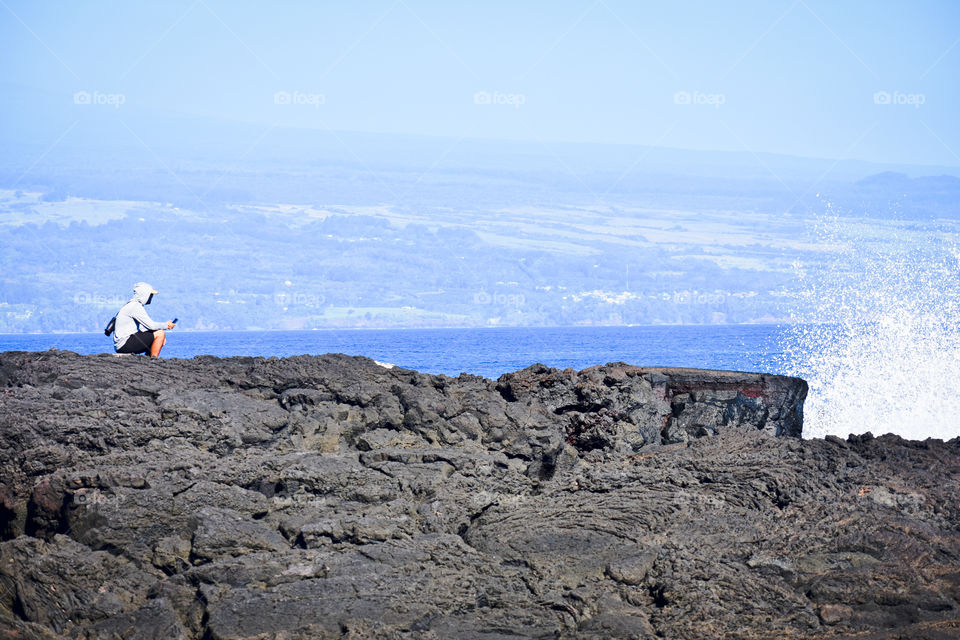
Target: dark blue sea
(486,352)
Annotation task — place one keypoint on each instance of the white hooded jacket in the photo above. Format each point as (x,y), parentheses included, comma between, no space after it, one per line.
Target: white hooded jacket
(132,317)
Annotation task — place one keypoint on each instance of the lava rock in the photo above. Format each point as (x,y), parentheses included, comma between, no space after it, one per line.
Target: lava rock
(331,497)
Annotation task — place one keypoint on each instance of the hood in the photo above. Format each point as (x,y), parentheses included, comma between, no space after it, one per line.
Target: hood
(142,292)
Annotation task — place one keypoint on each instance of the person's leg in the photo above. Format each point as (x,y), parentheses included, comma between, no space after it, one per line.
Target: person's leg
(139,342)
(159,339)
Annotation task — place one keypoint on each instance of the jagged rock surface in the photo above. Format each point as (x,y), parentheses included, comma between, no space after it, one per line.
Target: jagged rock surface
(329,497)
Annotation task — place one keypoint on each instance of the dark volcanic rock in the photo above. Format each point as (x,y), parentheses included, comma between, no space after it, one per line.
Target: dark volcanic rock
(329,497)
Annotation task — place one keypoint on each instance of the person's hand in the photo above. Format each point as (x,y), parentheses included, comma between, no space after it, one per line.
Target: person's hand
(170,325)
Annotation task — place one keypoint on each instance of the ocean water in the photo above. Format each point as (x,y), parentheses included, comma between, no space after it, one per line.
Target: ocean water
(486,352)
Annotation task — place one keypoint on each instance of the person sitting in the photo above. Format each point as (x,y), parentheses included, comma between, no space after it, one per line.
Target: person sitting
(134,331)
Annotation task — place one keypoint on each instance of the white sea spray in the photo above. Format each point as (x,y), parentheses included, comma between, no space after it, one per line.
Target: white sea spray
(878,332)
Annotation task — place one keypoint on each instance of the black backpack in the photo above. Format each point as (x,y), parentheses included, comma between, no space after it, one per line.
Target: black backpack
(107,330)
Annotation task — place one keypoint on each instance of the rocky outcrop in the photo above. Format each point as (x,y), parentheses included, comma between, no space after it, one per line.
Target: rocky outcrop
(329,497)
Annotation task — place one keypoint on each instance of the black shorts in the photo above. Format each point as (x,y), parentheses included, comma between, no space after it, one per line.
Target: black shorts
(138,342)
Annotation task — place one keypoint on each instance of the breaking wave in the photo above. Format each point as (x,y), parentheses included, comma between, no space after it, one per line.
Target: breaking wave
(878,331)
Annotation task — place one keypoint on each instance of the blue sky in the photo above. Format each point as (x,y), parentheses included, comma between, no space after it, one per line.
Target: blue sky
(866,80)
